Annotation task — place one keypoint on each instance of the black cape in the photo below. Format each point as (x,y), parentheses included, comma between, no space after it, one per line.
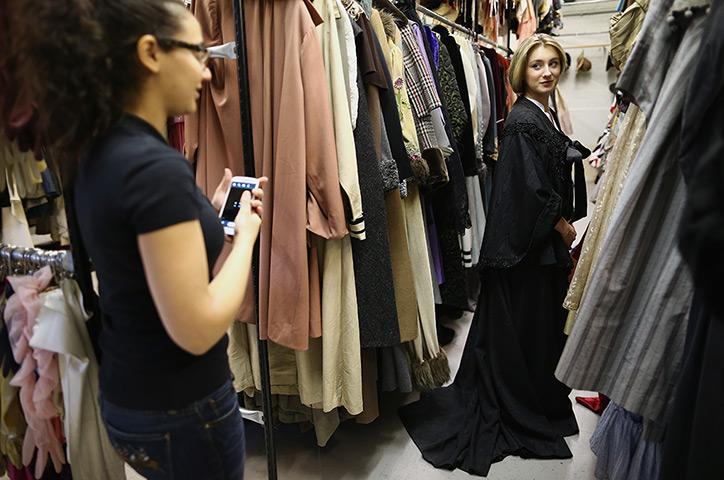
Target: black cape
(505,399)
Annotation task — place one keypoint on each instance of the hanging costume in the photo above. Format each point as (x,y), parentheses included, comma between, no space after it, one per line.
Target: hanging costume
(505,399)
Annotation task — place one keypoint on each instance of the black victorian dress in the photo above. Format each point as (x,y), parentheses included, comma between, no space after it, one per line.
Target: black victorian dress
(505,399)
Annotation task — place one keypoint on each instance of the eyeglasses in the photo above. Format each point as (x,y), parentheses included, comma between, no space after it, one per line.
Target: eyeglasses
(202,52)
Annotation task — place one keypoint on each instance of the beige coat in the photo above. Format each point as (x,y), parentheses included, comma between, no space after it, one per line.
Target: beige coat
(330,374)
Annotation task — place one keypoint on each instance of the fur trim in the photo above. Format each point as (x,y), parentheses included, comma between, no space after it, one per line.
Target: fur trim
(431,373)
(388,20)
(440,368)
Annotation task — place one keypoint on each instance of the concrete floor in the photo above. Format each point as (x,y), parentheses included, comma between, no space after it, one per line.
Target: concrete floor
(384,450)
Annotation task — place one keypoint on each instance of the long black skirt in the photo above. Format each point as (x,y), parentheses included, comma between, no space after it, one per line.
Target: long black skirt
(505,399)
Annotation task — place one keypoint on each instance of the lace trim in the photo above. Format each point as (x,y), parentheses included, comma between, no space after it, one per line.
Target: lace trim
(556,145)
(499,262)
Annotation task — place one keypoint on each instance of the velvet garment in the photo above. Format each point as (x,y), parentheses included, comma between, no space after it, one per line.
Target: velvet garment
(516,227)
(505,399)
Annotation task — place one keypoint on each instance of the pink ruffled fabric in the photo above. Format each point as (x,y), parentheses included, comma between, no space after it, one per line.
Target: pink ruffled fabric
(36,390)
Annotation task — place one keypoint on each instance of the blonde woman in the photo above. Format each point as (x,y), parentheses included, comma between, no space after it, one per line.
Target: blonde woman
(505,399)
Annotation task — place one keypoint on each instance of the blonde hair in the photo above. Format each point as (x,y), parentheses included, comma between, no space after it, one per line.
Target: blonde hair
(520,58)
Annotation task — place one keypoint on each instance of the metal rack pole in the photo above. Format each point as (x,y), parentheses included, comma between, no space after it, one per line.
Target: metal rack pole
(250,170)
(474,18)
(451,24)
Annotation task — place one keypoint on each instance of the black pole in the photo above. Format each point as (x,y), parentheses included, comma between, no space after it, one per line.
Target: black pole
(250,171)
(507,28)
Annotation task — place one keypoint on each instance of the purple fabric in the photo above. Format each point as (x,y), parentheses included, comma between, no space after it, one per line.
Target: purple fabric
(434,245)
(434,46)
(421,43)
(19,474)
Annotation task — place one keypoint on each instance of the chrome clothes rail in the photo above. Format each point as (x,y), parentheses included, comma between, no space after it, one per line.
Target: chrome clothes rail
(25,261)
(460,28)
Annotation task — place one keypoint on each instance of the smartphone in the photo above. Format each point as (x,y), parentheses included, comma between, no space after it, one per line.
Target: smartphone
(232,202)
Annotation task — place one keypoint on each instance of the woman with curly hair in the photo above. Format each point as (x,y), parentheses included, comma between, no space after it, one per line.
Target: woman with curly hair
(106,75)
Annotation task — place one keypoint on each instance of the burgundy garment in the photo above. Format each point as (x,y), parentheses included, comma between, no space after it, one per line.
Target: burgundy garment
(500,92)
(19,474)
(176,132)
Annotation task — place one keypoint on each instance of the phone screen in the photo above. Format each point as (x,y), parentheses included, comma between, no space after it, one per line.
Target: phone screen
(233,202)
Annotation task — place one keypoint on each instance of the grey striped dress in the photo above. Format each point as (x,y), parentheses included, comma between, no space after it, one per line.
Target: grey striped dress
(629,336)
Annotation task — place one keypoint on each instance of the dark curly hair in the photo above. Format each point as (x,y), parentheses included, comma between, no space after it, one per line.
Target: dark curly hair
(79,59)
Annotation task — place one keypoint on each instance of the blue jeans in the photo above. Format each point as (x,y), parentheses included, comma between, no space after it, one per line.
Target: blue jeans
(204,440)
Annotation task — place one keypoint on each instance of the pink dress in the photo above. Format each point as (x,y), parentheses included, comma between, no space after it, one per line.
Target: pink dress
(36,390)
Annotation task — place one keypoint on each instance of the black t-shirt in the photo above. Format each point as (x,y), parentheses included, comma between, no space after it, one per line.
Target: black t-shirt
(132,182)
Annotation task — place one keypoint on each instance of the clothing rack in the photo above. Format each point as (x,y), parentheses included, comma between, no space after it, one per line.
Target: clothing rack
(237,51)
(250,171)
(576,47)
(25,261)
(460,28)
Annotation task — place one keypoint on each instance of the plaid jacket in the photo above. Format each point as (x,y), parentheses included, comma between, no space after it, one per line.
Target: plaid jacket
(420,88)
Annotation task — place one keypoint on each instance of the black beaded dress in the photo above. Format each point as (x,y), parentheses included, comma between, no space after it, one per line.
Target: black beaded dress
(505,399)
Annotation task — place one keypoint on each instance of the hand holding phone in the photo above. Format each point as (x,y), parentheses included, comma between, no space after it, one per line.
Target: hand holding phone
(232,201)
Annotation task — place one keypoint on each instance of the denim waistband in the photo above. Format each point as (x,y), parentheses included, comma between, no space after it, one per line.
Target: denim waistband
(206,405)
